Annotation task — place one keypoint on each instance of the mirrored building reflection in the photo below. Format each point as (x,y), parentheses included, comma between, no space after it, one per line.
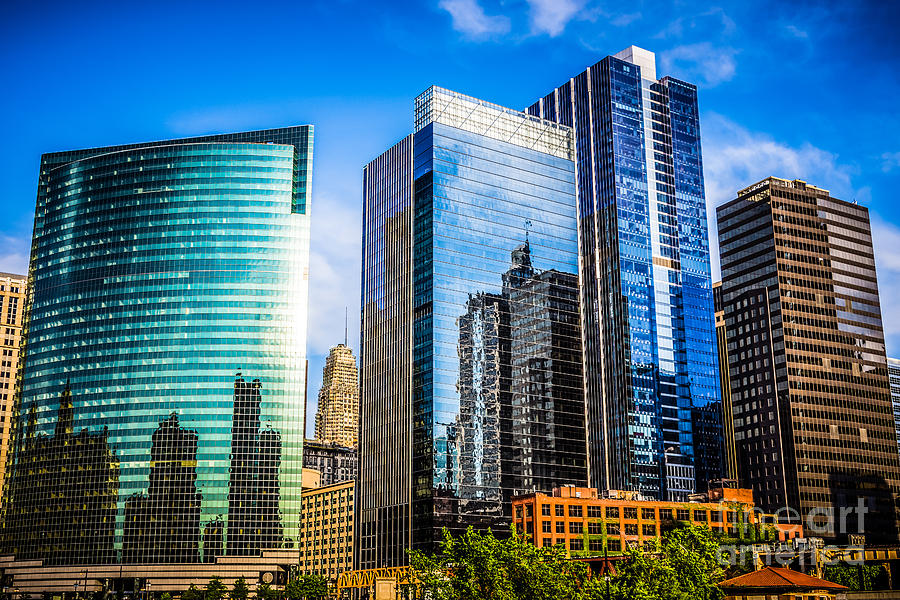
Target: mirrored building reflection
(158,271)
(163,525)
(254,520)
(60,499)
(469,292)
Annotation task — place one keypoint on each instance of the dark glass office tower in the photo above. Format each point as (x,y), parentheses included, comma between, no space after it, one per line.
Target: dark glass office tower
(811,401)
(471,366)
(651,384)
(158,272)
(730,462)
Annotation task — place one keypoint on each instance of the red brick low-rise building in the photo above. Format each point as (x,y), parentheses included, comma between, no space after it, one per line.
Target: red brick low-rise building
(585,521)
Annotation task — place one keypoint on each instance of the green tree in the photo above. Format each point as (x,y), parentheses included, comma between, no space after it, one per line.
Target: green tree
(478,566)
(215,589)
(166,596)
(306,587)
(692,554)
(685,567)
(474,566)
(859,578)
(265,592)
(240,591)
(192,593)
(641,576)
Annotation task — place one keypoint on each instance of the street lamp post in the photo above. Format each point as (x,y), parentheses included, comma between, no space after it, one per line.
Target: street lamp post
(606,566)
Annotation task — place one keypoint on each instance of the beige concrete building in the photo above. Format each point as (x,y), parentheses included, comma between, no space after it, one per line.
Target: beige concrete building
(36,579)
(326,537)
(12,316)
(337,418)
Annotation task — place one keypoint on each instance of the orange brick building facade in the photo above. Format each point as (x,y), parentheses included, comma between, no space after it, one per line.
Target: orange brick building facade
(584,522)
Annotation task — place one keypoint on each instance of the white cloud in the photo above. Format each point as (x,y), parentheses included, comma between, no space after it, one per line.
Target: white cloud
(702,62)
(625,20)
(891,160)
(333,284)
(552,16)
(14,252)
(735,157)
(796,32)
(886,238)
(469,18)
(333,272)
(702,23)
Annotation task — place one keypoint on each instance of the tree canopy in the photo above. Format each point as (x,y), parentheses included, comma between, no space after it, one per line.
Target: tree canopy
(476,566)
(306,587)
(858,577)
(240,590)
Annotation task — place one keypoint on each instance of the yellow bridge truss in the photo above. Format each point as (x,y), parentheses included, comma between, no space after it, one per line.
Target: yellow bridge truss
(366,577)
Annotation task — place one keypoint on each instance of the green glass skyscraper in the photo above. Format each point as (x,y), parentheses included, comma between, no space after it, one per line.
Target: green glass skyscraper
(160,404)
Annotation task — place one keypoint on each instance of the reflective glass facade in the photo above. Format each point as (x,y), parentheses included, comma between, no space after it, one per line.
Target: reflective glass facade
(652,384)
(160,403)
(469,294)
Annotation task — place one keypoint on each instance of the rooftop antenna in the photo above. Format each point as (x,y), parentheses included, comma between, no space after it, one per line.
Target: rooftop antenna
(345,326)
(528,225)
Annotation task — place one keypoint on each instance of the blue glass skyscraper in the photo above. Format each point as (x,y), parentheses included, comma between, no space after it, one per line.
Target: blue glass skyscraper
(160,413)
(471,366)
(651,385)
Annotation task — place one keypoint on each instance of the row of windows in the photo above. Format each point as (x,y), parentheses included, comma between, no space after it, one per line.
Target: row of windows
(626,512)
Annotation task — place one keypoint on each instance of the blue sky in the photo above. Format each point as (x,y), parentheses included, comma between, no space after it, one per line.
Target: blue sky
(792,89)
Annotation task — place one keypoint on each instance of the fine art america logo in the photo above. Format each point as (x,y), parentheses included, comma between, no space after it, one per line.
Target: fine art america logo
(819,522)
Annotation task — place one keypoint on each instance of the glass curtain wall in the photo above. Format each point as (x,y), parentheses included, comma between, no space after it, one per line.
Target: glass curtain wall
(496,401)
(652,372)
(160,403)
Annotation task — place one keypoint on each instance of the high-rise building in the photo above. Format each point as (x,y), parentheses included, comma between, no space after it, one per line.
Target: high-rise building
(326,538)
(12,316)
(337,416)
(730,464)
(894,375)
(651,374)
(159,271)
(470,362)
(334,463)
(811,403)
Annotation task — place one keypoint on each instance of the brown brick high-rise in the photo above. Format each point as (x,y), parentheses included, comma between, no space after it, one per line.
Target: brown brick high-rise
(811,404)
